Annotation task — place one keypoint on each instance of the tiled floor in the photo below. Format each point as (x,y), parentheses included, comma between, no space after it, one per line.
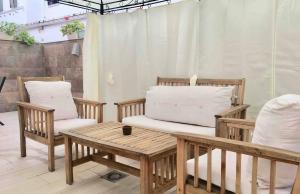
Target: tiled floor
(30,174)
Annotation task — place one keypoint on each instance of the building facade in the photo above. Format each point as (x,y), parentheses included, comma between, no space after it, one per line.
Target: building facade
(43,19)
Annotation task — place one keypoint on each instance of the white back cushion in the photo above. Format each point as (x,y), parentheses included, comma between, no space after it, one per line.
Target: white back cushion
(56,95)
(278,125)
(187,104)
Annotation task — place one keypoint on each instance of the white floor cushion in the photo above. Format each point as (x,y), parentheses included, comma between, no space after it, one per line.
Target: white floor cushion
(230,172)
(169,127)
(62,125)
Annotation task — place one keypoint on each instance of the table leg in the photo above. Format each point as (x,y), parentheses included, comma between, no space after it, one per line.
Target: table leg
(68,160)
(146,176)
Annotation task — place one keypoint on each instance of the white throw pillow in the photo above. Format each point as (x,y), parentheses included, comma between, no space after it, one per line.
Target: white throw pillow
(188,104)
(278,125)
(56,95)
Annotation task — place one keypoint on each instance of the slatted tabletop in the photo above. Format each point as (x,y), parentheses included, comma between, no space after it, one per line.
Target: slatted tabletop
(141,141)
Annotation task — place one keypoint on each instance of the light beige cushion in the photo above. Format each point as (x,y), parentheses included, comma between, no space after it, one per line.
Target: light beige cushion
(278,125)
(56,95)
(169,127)
(230,172)
(196,105)
(63,125)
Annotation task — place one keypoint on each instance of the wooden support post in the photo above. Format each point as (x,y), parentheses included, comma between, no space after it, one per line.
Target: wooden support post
(146,175)
(296,187)
(181,165)
(68,160)
(22,129)
(51,156)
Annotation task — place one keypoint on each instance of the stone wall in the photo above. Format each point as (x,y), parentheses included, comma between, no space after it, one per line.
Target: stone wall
(58,60)
(38,60)
(18,60)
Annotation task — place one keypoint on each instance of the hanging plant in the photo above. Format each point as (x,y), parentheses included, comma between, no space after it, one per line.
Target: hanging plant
(72,28)
(25,38)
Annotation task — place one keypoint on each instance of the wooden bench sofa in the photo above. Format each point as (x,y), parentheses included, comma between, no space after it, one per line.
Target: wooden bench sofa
(132,112)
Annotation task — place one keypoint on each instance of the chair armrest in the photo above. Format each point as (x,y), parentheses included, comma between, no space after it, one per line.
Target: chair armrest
(78,100)
(34,106)
(37,120)
(130,108)
(237,129)
(234,112)
(88,109)
(238,112)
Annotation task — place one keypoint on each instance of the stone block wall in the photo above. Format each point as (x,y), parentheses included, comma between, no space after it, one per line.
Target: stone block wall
(58,60)
(38,60)
(18,60)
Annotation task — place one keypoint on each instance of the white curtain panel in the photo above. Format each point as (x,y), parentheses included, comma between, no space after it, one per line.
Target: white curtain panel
(253,39)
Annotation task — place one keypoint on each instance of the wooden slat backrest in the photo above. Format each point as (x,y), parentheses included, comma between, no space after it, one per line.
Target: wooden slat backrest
(21,86)
(239,84)
(274,155)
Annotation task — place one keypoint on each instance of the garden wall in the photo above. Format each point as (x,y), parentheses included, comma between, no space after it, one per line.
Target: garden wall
(38,60)
(58,60)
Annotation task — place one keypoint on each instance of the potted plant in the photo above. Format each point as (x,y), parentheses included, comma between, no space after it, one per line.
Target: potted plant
(72,29)
(25,38)
(7,30)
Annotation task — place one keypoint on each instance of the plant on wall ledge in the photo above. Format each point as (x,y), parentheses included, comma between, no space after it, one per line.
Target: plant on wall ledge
(72,29)
(25,38)
(8,30)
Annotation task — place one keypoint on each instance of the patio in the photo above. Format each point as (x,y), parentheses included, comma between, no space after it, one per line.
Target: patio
(118,97)
(30,175)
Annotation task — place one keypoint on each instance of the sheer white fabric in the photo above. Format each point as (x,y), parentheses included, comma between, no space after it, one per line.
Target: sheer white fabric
(255,39)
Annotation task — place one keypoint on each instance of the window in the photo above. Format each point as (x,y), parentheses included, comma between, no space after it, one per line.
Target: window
(13,3)
(1,5)
(52,2)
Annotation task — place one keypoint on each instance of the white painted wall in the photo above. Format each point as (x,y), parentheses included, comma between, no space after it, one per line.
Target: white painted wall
(31,12)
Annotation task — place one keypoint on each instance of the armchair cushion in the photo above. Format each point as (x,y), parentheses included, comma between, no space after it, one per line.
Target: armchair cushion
(188,104)
(230,172)
(56,95)
(63,125)
(278,125)
(169,127)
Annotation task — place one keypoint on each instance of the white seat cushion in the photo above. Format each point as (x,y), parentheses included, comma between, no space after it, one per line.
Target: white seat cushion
(53,94)
(165,126)
(230,172)
(63,125)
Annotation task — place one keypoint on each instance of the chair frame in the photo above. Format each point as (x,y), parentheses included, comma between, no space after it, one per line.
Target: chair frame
(238,109)
(230,127)
(37,122)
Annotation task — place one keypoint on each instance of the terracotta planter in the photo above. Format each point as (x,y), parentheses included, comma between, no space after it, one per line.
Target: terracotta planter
(4,36)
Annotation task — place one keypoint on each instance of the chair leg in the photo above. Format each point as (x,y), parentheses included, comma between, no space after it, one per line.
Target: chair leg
(51,163)
(22,144)
(2,124)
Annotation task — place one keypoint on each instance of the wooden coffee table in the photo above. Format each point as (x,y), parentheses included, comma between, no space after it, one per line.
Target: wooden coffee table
(156,152)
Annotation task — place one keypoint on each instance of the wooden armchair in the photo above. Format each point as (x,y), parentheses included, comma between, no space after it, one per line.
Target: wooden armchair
(37,122)
(233,129)
(238,109)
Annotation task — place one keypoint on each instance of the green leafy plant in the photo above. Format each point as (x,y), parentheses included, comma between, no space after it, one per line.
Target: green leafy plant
(8,28)
(72,27)
(25,38)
